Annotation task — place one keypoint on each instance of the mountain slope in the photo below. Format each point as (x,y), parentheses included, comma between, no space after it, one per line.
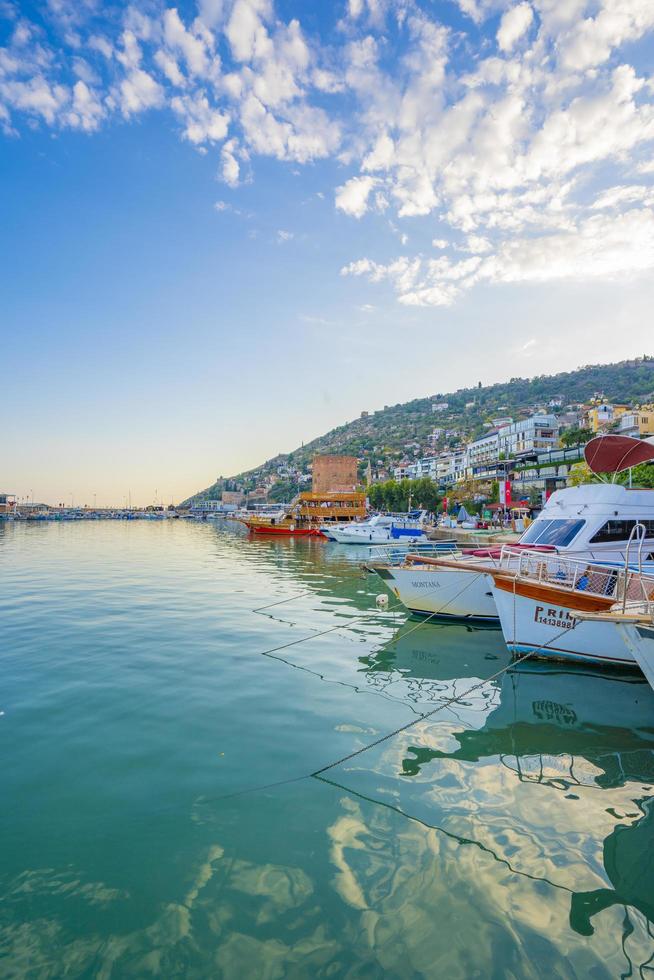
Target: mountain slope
(388,434)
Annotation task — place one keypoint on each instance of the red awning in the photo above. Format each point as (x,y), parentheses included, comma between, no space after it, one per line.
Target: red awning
(613,454)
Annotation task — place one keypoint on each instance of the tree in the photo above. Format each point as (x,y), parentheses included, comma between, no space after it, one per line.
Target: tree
(576,437)
(581,473)
(641,476)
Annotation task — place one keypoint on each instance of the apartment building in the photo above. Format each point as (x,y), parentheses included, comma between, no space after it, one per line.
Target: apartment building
(601,415)
(531,436)
(638,423)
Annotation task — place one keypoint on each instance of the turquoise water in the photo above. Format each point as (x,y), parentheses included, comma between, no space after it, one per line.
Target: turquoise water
(510,835)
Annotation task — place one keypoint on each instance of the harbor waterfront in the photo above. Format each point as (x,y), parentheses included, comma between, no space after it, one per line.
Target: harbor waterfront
(171,691)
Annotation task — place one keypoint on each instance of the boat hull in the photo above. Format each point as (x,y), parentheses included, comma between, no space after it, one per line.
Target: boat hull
(541,620)
(639,639)
(443,592)
(280,529)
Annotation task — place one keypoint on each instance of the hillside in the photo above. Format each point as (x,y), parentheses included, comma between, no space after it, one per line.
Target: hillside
(387,435)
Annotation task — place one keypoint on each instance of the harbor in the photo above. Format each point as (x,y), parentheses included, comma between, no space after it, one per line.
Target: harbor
(258,746)
(327,490)
(189,823)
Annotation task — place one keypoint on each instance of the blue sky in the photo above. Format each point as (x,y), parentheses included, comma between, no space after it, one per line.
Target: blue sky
(228,227)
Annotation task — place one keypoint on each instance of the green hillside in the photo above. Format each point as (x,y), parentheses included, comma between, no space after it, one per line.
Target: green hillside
(385,436)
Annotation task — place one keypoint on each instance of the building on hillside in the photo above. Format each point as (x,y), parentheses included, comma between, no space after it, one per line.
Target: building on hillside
(452,467)
(570,420)
(638,423)
(434,436)
(257,496)
(556,402)
(484,457)
(528,437)
(334,474)
(549,472)
(233,498)
(600,415)
(402,470)
(439,406)
(427,466)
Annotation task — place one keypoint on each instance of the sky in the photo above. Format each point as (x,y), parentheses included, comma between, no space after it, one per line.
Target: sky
(228,226)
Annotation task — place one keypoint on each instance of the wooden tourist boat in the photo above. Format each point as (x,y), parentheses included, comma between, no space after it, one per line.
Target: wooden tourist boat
(308,512)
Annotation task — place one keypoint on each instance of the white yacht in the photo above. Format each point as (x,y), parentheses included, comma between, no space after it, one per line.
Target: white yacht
(594,521)
(383,529)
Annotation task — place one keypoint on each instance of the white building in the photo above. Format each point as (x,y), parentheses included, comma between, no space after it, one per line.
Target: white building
(402,471)
(452,467)
(483,452)
(534,435)
(439,406)
(427,466)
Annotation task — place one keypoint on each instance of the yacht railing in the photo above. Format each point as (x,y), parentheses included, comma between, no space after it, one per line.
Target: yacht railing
(623,584)
(394,554)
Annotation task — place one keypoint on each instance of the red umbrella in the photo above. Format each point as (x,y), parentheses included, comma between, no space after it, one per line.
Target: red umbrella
(613,454)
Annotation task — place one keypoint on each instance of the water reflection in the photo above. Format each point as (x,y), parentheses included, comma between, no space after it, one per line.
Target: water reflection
(508,834)
(548,718)
(572,730)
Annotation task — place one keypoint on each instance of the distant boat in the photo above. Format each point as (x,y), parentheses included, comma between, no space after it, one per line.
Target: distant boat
(384,529)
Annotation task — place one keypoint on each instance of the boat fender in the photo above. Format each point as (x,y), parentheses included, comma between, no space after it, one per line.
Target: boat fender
(382,601)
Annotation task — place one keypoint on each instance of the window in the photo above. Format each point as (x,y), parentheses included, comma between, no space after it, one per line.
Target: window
(559,533)
(616,530)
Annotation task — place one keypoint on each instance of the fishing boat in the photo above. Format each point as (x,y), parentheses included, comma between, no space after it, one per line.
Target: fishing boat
(308,512)
(592,521)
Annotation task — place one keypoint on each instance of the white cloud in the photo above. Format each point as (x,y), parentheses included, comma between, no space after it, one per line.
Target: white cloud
(600,247)
(246,31)
(352,197)
(87,110)
(590,40)
(202,121)
(139,91)
(192,47)
(35,97)
(616,196)
(534,141)
(170,68)
(284,236)
(515,22)
(229,167)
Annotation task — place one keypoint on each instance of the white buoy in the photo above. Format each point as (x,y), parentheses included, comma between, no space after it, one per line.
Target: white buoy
(382,601)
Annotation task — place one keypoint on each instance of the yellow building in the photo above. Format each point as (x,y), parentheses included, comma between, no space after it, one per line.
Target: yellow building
(603,414)
(638,422)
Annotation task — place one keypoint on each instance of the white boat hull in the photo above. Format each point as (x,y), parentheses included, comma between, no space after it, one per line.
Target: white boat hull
(443,592)
(553,631)
(639,639)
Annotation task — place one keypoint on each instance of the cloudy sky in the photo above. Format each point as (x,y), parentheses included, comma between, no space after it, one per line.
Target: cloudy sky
(229,226)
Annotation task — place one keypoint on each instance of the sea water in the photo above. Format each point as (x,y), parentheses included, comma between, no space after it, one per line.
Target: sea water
(159,732)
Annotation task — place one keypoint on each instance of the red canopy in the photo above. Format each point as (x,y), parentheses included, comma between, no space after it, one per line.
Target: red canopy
(613,454)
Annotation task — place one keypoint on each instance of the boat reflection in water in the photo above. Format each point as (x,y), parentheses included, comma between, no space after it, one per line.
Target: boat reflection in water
(571,729)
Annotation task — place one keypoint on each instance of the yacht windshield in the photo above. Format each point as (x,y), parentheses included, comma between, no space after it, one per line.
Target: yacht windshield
(559,532)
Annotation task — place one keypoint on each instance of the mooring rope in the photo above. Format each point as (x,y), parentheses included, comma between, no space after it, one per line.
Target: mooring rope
(384,738)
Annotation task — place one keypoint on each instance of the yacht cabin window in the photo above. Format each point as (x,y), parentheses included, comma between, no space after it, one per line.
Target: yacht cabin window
(616,530)
(559,532)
